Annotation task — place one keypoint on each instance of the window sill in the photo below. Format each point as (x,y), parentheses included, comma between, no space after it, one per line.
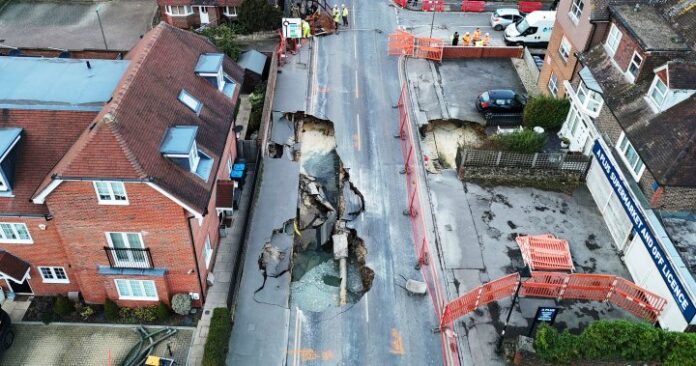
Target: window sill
(16,242)
(137,298)
(179,15)
(230,15)
(114,203)
(56,282)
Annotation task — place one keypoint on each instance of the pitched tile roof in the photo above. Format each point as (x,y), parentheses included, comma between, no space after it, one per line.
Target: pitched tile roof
(648,27)
(46,137)
(124,142)
(681,75)
(666,141)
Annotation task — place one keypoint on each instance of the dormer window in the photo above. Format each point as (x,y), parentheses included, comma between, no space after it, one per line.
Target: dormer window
(634,67)
(179,145)
(190,101)
(209,67)
(9,137)
(658,92)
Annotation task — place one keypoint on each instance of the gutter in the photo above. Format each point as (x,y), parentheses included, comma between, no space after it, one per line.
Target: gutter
(195,258)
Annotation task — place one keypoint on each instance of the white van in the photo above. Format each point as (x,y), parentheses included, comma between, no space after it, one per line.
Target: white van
(533,30)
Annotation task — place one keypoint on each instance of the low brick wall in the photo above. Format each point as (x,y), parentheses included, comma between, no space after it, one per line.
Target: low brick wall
(265,128)
(557,180)
(458,52)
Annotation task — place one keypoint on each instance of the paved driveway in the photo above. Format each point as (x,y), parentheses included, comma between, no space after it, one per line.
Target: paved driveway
(60,344)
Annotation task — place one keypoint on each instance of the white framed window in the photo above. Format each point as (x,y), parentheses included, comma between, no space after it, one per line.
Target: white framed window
(193,157)
(634,66)
(576,10)
(590,100)
(564,49)
(190,101)
(613,40)
(230,11)
(230,165)
(144,290)
(179,10)
(553,84)
(207,251)
(111,193)
(128,249)
(658,92)
(53,274)
(630,156)
(573,119)
(14,233)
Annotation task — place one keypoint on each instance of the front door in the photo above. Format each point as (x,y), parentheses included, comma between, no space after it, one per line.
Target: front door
(203,11)
(20,288)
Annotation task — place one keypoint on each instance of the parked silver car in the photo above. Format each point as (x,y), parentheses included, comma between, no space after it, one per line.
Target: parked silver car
(502,17)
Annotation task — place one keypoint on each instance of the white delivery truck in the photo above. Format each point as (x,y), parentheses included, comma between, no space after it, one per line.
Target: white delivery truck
(532,30)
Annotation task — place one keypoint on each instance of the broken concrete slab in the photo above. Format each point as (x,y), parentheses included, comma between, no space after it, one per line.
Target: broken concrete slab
(283,130)
(340,245)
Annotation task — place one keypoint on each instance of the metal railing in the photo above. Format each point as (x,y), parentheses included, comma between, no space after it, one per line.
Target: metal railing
(553,161)
(129,257)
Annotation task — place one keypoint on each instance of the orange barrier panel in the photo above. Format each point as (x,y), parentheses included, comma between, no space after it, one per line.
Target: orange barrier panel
(545,252)
(474,6)
(544,284)
(401,3)
(400,43)
(430,5)
(582,286)
(528,6)
(482,295)
(429,48)
(637,301)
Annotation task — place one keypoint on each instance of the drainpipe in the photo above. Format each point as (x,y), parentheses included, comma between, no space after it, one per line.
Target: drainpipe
(195,258)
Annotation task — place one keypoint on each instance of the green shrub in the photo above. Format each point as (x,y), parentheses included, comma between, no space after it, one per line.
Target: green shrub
(86,312)
(163,312)
(218,336)
(47,317)
(111,310)
(62,306)
(547,112)
(525,141)
(620,340)
(259,15)
(224,38)
(145,313)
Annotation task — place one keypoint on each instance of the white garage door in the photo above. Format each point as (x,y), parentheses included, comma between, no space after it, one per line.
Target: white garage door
(609,205)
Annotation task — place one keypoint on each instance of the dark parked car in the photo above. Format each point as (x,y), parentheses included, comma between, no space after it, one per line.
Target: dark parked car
(6,332)
(500,101)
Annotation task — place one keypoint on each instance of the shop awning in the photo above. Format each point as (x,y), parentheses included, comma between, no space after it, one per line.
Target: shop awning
(13,267)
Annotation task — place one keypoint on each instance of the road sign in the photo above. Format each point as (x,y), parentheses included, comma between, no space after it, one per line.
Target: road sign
(546,314)
(292,27)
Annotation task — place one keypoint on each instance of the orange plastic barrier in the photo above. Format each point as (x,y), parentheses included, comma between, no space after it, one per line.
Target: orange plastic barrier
(474,6)
(637,301)
(528,6)
(400,44)
(545,252)
(430,5)
(401,3)
(482,295)
(429,48)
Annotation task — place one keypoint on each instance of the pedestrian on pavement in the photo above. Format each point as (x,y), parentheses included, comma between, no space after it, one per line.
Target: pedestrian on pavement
(466,39)
(486,40)
(295,10)
(455,39)
(477,35)
(306,30)
(336,15)
(344,15)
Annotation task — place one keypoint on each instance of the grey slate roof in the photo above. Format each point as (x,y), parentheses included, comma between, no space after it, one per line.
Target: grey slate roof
(682,75)
(648,27)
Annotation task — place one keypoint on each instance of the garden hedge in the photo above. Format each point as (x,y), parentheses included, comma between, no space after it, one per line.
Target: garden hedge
(525,141)
(619,340)
(219,332)
(547,112)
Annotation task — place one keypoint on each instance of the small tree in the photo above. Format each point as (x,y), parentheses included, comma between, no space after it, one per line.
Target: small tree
(223,37)
(259,15)
(547,112)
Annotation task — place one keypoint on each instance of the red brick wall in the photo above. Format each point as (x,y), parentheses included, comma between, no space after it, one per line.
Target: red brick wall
(458,52)
(662,74)
(624,51)
(82,223)
(46,250)
(180,22)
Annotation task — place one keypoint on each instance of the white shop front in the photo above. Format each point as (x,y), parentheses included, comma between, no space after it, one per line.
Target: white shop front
(649,254)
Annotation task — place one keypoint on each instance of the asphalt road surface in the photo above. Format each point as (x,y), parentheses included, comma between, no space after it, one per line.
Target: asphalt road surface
(356,85)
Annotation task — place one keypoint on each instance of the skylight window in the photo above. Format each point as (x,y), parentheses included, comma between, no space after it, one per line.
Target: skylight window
(190,101)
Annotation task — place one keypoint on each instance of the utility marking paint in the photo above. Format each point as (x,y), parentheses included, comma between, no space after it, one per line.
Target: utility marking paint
(397,346)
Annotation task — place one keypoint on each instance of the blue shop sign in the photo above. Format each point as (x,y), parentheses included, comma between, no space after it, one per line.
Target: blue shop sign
(656,252)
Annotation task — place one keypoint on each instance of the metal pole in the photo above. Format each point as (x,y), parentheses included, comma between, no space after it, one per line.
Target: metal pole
(432,23)
(499,345)
(101,28)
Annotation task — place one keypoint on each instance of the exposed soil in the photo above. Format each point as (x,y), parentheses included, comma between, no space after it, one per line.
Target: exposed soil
(444,138)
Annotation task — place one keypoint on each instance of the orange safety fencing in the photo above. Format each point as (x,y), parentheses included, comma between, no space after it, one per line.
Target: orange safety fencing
(429,48)
(401,3)
(482,295)
(545,252)
(561,286)
(430,5)
(401,44)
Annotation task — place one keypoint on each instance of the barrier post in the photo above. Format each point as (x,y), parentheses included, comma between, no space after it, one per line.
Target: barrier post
(407,170)
(423,258)
(410,211)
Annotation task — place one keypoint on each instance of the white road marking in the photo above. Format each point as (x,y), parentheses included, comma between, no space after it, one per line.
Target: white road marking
(355,46)
(357,87)
(298,335)
(367,309)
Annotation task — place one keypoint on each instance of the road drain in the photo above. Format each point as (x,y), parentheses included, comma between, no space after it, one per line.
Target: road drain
(325,250)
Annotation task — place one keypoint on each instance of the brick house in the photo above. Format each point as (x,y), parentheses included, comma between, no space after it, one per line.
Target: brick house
(633,108)
(111,172)
(192,14)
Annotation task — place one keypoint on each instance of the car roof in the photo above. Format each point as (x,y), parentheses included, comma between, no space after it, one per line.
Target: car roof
(501,93)
(506,11)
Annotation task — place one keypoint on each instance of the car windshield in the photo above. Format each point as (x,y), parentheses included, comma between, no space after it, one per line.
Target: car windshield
(522,25)
(484,97)
(520,99)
